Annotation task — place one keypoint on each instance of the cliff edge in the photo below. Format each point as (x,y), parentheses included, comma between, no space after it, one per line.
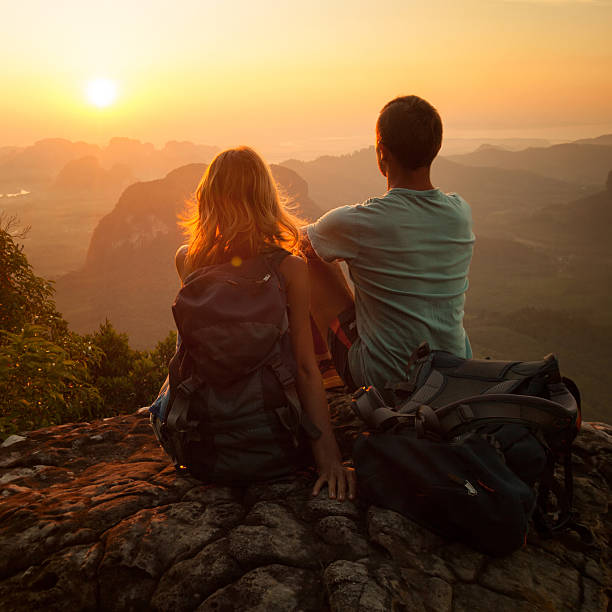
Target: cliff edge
(93,517)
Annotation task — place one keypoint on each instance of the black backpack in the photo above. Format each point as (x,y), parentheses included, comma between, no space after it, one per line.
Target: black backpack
(470,448)
(233,413)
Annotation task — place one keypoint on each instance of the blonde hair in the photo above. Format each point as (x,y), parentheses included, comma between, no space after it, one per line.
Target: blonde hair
(237,211)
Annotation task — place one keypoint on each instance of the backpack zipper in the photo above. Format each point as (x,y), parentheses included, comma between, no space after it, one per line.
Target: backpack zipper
(467,484)
(470,488)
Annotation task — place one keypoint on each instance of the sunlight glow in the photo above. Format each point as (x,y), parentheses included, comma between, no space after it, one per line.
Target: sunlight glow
(102,92)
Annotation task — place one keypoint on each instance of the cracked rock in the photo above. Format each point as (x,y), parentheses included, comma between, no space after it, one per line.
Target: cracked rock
(93,517)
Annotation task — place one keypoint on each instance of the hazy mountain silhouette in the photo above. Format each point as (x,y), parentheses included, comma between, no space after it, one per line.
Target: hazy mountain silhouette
(86,175)
(8,153)
(605,139)
(576,162)
(457,146)
(342,179)
(73,184)
(582,225)
(347,179)
(147,162)
(129,275)
(37,165)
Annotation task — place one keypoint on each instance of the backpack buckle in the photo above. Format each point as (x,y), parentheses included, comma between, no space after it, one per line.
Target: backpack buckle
(366,400)
(282,372)
(420,352)
(427,424)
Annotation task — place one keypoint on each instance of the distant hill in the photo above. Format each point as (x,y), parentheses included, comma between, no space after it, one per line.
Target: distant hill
(147,162)
(341,179)
(582,225)
(85,175)
(129,274)
(346,179)
(38,165)
(605,139)
(72,185)
(456,146)
(585,164)
(8,152)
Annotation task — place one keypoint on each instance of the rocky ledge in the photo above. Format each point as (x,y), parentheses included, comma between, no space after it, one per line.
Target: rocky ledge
(93,517)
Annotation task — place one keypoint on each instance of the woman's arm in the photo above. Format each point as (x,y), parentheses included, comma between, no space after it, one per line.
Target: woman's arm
(340,480)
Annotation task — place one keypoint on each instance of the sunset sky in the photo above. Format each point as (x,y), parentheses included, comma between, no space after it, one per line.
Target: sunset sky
(302,75)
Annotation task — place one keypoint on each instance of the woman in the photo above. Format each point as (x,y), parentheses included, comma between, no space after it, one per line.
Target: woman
(238,215)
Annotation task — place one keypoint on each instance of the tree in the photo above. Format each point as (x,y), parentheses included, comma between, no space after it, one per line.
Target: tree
(24,297)
(163,353)
(40,384)
(128,379)
(44,377)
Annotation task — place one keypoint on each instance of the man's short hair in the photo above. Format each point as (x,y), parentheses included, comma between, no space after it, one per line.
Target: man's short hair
(411,129)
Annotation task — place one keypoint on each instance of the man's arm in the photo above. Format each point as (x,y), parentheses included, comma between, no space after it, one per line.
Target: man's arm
(335,236)
(330,294)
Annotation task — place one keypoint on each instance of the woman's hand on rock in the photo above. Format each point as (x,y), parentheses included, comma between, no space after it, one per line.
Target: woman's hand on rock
(340,479)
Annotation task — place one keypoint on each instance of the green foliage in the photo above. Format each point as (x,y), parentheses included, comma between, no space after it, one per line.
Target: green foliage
(44,376)
(163,353)
(40,383)
(49,375)
(127,378)
(24,297)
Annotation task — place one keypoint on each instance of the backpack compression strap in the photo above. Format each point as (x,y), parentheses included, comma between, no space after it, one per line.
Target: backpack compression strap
(177,427)
(292,416)
(177,415)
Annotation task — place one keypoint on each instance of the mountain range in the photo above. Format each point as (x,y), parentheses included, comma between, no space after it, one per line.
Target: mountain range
(585,162)
(71,185)
(348,179)
(39,164)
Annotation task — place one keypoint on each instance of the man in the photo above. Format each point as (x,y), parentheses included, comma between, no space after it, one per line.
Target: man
(408,253)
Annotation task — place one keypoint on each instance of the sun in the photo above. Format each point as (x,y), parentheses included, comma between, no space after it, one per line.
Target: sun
(102,92)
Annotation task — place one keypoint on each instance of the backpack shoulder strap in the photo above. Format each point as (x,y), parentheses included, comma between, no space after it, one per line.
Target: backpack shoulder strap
(552,414)
(549,415)
(276,256)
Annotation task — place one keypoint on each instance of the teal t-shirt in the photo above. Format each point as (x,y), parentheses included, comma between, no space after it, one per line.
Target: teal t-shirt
(408,253)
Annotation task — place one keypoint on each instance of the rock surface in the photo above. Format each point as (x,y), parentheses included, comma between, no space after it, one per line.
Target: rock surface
(93,517)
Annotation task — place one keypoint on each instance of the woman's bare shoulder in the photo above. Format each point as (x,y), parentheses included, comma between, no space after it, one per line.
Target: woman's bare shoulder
(293,266)
(179,259)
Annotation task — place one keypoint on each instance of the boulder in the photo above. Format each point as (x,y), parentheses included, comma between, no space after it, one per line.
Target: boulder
(93,517)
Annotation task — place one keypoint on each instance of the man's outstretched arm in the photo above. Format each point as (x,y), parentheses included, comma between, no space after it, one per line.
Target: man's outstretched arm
(330,293)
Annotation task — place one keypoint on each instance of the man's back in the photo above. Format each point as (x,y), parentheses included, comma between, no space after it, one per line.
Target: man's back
(408,254)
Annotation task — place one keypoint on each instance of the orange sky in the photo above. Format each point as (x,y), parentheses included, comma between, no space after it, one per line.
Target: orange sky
(289,74)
